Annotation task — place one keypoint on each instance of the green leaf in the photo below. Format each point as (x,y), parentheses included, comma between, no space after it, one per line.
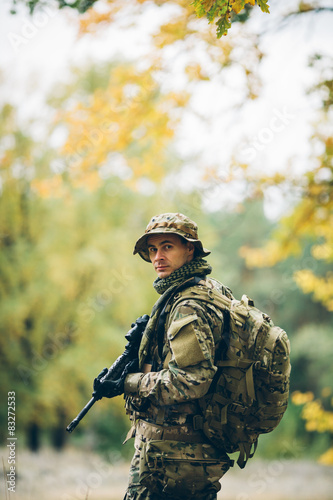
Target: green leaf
(263,5)
(223,24)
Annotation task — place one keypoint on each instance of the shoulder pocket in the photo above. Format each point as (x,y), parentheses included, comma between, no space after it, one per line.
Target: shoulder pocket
(178,324)
(184,343)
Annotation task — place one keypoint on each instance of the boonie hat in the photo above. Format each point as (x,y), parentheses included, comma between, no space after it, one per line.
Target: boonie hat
(173,223)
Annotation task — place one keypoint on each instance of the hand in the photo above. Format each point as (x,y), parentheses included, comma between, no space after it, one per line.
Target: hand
(112,388)
(107,388)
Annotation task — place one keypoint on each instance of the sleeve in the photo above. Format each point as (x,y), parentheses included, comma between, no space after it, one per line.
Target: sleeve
(191,368)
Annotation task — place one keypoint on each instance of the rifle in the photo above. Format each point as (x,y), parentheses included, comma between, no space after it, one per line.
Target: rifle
(133,336)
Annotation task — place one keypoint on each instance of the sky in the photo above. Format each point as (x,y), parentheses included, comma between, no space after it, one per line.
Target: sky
(37,52)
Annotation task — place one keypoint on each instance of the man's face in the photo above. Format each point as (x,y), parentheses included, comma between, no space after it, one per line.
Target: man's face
(168,252)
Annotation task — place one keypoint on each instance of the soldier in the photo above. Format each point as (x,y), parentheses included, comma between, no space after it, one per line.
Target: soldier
(175,367)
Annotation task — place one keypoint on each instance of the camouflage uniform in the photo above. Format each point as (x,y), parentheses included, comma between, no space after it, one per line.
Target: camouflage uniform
(172,459)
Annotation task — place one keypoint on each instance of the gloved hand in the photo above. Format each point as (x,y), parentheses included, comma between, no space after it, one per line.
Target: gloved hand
(112,388)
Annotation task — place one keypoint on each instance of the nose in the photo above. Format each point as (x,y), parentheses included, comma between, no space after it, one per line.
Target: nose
(159,254)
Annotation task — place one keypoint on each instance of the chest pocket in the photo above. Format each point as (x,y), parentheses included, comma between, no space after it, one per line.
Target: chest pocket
(184,343)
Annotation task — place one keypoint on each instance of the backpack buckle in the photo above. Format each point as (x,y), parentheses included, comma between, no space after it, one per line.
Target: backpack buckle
(197,422)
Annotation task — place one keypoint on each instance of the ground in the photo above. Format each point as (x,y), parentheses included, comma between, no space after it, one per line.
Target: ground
(77,475)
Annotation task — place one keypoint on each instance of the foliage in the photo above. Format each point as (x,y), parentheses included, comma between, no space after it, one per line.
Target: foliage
(311,219)
(64,310)
(222,10)
(312,351)
(69,289)
(181,31)
(317,418)
(80,5)
(109,430)
(57,276)
(123,127)
(78,282)
(311,360)
(67,285)
(310,222)
(68,292)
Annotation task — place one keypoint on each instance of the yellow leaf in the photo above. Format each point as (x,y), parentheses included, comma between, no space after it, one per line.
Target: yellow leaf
(49,188)
(194,72)
(300,398)
(237,5)
(320,286)
(327,457)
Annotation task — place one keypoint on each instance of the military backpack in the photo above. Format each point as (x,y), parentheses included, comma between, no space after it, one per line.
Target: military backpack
(249,392)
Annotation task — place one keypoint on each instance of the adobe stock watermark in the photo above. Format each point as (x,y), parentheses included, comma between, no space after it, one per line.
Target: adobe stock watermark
(266,477)
(278,122)
(100,472)
(218,190)
(118,282)
(31,27)
(278,295)
(89,141)
(55,343)
(210,190)
(108,130)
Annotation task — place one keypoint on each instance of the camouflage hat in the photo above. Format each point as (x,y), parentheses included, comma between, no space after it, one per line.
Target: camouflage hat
(174,224)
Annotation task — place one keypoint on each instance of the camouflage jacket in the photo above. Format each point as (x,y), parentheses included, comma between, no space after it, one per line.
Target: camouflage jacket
(192,331)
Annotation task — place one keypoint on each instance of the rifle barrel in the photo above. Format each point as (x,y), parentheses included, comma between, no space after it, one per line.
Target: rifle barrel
(80,416)
(113,373)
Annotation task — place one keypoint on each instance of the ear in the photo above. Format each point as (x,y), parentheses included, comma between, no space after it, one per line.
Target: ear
(190,247)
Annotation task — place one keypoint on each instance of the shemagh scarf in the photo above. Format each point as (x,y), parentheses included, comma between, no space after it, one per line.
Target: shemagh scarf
(165,287)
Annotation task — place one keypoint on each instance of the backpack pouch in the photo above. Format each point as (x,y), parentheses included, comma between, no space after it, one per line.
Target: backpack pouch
(182,469)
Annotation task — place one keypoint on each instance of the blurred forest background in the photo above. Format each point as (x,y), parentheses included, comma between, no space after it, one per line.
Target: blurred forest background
(120,139)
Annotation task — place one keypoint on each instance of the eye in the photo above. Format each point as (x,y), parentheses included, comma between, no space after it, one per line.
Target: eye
(151,249)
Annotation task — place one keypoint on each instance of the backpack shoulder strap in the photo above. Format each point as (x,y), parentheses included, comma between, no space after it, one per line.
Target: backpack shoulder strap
(204,294)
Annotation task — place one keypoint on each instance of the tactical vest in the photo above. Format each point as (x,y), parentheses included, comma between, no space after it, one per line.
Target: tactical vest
(249,393)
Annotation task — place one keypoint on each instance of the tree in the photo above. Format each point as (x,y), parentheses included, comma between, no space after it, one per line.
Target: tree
(223,10)
(64,267)
(98,156)
(311,218)
(310,222)
(80,5)
(124,126)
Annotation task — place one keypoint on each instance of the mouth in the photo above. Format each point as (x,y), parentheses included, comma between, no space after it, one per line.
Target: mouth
(160,268)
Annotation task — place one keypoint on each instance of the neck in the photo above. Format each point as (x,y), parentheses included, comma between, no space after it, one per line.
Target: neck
(196,267)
